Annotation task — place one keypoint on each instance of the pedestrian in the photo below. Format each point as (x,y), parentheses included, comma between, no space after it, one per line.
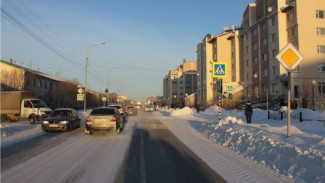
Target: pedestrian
(197,108)
(248,111)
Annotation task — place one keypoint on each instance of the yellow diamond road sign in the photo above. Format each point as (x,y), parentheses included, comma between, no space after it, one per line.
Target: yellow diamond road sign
(289,57)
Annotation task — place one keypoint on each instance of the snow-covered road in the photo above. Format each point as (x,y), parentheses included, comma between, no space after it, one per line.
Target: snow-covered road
(259,152)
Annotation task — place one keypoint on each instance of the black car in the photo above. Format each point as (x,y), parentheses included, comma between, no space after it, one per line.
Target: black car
(61,119)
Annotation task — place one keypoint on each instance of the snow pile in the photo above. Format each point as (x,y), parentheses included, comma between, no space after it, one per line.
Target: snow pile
(285,158)
(301,156)
(182,112)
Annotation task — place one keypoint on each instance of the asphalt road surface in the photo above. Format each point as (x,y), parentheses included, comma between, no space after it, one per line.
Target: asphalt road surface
(146,151)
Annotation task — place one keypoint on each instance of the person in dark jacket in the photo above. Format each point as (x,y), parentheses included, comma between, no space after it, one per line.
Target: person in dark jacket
(248,111)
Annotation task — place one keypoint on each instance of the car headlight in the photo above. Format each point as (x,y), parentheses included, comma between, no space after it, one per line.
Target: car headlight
(45,122)
(64,122)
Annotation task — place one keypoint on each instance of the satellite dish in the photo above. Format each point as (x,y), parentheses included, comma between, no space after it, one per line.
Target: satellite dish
(269,9)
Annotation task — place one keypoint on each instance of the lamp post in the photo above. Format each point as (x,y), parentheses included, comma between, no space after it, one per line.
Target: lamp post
(313,82)
(85,99)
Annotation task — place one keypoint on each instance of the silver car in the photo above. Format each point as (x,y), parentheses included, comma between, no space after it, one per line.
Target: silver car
(104,118)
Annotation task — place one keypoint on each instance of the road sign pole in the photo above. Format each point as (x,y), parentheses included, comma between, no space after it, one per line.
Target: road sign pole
(289,104)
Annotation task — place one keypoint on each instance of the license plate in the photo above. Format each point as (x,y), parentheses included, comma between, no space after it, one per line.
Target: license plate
(100,120)
(53,125)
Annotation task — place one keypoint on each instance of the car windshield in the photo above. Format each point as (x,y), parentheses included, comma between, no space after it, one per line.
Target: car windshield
(130,107)
(61,113)
(149,106)
(38,103)
(102,112)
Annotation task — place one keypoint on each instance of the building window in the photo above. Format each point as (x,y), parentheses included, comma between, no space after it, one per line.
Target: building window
(246,49)
(264,41)
(255,46)
(321,68)
(320,31)
(292,33)
(51,86)
(320,13)
(247,76)
(275,88)
(273,37)
(296,91)
(321,87)
(247,23)
(264,27)
(34,82)
(265,73)
(247,36)
(290,15)
(273,4)
(272,21)
(255,32)
(273,70)
(45,85)
(255,60)
(321,49)
(40,83)
(247,63)
(265,57)
(274,53)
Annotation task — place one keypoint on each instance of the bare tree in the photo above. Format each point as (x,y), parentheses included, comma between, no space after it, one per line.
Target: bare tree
(12,80)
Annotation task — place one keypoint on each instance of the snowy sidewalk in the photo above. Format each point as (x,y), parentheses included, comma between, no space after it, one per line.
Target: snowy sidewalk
(301,156)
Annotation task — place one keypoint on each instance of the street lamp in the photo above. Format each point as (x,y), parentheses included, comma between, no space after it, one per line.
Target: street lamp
(313,82)
(85,99)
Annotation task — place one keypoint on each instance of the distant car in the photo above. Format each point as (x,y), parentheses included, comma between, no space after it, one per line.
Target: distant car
(148,108)
(120,109)
(61,119)
(131,110)
(104,118)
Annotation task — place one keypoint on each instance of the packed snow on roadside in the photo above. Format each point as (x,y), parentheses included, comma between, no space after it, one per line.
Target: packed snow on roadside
(300,156)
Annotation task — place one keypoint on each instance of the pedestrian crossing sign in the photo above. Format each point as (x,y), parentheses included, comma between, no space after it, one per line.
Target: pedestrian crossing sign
(230,88)
(219,69)
(80,97)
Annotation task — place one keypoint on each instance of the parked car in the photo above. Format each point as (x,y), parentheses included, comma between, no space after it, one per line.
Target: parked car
(131,110)
(61,119)
(120,109)
(104,118)
(149,108)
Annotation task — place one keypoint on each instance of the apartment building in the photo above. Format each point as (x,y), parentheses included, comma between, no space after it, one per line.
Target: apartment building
(204,71)
(180,82)
(268,26)
(305,29)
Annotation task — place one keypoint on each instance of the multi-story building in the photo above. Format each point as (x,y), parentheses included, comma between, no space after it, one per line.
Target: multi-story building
(268,26)
(178,83)
(204,72)
(304,24)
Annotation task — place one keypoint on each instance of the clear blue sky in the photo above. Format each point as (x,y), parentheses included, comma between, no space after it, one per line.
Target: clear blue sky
(144,38)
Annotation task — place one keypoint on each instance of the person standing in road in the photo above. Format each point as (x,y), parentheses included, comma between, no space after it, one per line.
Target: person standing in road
(248,111)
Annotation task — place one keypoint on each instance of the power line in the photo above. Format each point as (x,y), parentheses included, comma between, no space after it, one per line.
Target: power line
(44,42)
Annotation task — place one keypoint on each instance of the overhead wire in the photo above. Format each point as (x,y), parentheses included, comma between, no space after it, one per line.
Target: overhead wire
(37,37)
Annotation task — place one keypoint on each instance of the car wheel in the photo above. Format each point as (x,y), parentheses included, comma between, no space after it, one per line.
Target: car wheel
(44,129)
(70,127)
(88,132)
(32,120)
